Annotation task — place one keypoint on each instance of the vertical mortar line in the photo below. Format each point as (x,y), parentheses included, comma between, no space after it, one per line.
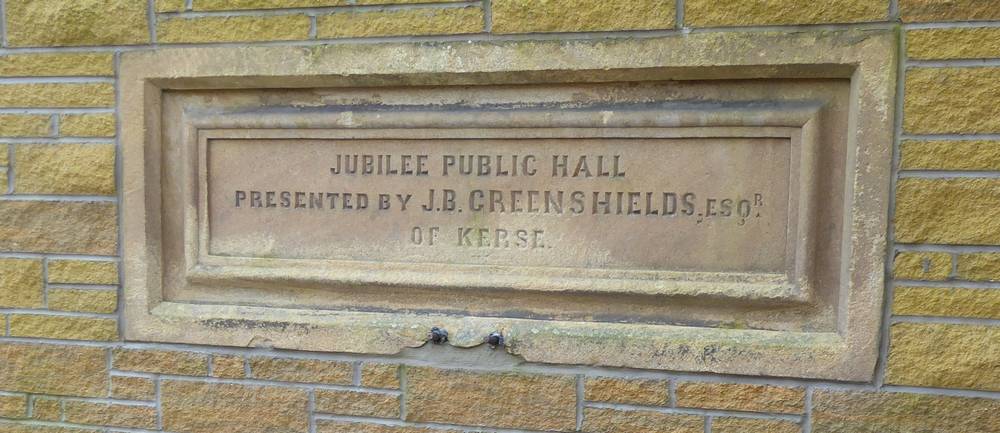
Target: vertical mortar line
(954,266)
(883,358)
(672,392)
(356,366)
(62,410)
(312,26)
(893,10)
(188,5)
(708,424)
(488,16)
(31,406)
(159,401)
(312,410)
(3,24)
(151,18)
(246,367)
(6,325)
(54,125)
(679,11)
(579,402)
(120,195)
(45,282)
(108,365)
(807,416)
(404,385)
(10,168)
(211,365)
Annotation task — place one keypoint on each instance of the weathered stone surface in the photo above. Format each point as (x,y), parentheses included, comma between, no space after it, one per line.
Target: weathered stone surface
(431,21)
(132,388)
(920,265)
(622,421)
(944,356)
(325,426)
(21,283)
(717,13)
(83,301)
(743,397)
(24,125)
(65,169)
(378,375)
(949,155)
(302,370)
(750,425)
(46,409)
(233,29)
(193,407)
(57,65)
(78,22)
(228,366)
(31,428)
(529,16)
(161,361)
(111,415)
(951,100)
(3,158)
(947,10)
(511,399)
(83,272)
(55,370)
(63,328)
(57,95)
(59,227)
(357,403)
(13,406)
(649,392)
(946,302)
(87,125)
(979,267)
(845,411)
(170,5)
(221,5)
(960,43)
(948,211)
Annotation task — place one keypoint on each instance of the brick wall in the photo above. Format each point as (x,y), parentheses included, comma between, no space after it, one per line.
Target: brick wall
(64,368)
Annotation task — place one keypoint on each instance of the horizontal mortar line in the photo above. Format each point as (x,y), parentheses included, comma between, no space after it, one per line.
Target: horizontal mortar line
(872,25)
(56,80)
(431,426)
(950,25)
(949,248)
(950,392)
(281,383)
(85,257)
(58,342)
(133,374)
(947,174)
(957,63)
(57,140)
(13,394)
(94,287)
(96,428)
(950,284)
(315,10)
(137,403)
(54,313)
(63,198)
(950,137)
(693,411)
(50,111)
(945,320)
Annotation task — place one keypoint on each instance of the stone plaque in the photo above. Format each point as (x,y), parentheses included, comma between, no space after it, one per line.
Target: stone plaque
(733,206)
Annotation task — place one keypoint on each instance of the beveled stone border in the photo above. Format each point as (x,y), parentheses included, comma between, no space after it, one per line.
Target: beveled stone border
(867,58)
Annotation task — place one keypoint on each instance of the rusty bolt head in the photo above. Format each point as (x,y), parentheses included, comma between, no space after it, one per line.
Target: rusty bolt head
(494,340)
(437,335)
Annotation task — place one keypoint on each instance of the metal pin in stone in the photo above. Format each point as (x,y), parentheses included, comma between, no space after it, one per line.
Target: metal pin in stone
(438,335)
(494,340)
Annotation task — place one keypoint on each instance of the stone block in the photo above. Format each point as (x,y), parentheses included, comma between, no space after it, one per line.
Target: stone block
(921,265)
(83,301)
(21,283)
(979,267)
(13,406)
(957,43)
(719,13)
(54,370)
(947,10)
(161,361)
(228,366)
(87,125)
(110,414)
(944,356)
(132,388)
(24,125)
(430,21)
(57,95)
(59,227)
(741,397)
(751,425)
(83,272)
(57,65)
(63,327)
(639,421)
(951,100)
(233,29)
(302,370)
(949,155)
(946,302)
(948,211)
(357,403)
(377,375)
(649,392)
(891,412)
(532,16)
(87,169)
(194,407)
(44,23)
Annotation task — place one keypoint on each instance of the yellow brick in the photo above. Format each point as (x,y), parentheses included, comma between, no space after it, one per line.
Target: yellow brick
(948,211)
(87,125)
(57,95)
(950,155)
(718,13)
(161,361)
(193,407)
(57,65)
(892,412)
(13,406)
(64,169)
(951,100)
(648,392)
(111,415)
(21,283)
(132,388)
(639,421)
(228,5)
(233,29)
(979,267)
(170,5)
(29,125)
(528,16)
(83,301)
(511,400)
(83,272)
(77,22)
(54,370)
(961,43)
(918,265)
(63,328)
(302,370)
(357,403)
(46,409)
(742,397)
(944,356)
(380,375)
(228,366)
(946,302)
(750,425)
(431,21)
(948,10)
(326,426)
(59,227)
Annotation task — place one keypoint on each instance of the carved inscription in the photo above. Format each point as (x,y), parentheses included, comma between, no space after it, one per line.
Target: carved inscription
(704,204)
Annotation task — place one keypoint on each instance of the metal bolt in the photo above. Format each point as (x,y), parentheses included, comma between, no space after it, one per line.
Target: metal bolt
(494,340)
(437,335)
